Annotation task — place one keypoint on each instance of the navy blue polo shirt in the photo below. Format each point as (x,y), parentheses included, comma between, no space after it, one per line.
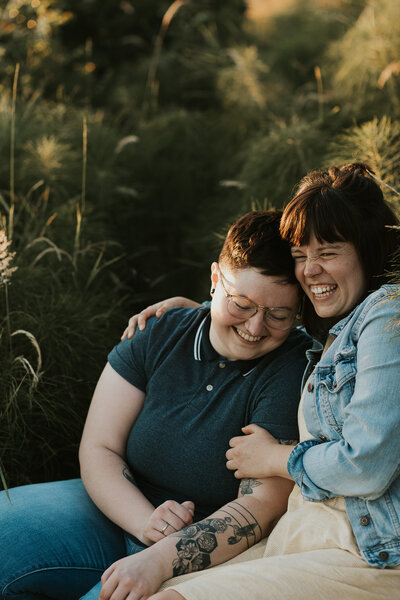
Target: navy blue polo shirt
(196,401)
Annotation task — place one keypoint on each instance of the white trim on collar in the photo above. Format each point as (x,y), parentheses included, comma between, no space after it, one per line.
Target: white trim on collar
(197,345)
(248,372)
(197,340)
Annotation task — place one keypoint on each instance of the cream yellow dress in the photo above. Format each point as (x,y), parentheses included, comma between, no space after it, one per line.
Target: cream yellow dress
(311,554)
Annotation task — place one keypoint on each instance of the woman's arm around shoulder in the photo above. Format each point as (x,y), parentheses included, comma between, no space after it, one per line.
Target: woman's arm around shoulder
(158,309)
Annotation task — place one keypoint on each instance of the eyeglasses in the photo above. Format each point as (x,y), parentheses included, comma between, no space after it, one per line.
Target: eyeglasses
(242,307)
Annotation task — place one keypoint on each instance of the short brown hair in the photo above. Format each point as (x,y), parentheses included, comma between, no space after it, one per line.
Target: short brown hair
(254,241)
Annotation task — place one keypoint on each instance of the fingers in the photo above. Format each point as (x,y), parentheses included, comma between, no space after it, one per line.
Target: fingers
(175,515)
(234,442)
(250,428)
(189,505)
(140,319)
(168,518)
(108,584)
(157,309)
(130,330)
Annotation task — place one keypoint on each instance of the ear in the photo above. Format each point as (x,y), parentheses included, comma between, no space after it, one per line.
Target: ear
(214,273)
(214,277)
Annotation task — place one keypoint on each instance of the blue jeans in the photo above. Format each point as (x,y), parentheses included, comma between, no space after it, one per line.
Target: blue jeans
(55,543)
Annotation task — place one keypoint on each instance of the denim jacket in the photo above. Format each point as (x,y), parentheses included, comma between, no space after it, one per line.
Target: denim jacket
(351,408)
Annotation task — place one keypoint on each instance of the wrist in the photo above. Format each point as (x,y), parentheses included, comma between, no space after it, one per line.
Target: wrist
(163,555)
(280,457)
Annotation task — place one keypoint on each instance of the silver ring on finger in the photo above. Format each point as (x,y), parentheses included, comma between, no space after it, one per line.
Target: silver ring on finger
(164,528)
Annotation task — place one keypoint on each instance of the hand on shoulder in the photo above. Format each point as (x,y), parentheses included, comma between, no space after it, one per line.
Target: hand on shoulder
(157,310)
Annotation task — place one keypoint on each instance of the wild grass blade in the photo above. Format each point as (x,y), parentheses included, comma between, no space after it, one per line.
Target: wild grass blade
(12,153)
(4,483)
(35,344)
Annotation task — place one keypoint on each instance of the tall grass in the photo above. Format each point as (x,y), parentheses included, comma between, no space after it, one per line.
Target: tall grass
(122,162)
(61,306)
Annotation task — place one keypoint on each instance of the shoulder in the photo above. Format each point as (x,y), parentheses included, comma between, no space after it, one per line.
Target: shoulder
(177,321)
(290,356)
(162,331)
(176,327)
(380,309)
(299,337)
(384,302)
(296,344)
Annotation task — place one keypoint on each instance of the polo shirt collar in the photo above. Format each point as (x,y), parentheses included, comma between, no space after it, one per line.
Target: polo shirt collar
(204,351)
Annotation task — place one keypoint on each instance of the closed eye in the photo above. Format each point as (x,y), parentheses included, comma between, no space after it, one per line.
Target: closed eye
(299,258)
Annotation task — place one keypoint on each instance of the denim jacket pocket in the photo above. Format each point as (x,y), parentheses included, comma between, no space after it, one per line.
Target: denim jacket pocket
(337,386)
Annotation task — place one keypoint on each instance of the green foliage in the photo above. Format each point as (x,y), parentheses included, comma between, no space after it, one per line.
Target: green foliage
(276,161)
(45,386)
(378,143)
(366,62)
(298,37)
(141,130)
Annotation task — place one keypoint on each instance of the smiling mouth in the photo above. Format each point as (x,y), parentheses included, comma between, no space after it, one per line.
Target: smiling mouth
(322,291)
(247,337)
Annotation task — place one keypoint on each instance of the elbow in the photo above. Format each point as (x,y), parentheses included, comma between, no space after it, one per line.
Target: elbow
(370,488)
(369,478)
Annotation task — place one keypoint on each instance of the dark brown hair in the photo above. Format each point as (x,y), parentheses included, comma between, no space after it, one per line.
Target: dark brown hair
(254,241)
(345,204)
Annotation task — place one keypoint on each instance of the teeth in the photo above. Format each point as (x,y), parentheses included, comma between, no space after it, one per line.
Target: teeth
(247,337)
(322,290)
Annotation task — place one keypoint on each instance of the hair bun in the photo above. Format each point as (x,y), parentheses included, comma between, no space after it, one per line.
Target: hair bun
(358,168)
(334,173)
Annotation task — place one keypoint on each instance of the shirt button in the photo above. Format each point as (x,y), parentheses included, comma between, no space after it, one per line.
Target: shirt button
(209,387)
(365,520)
(222,365)
(383,555)
(310,387)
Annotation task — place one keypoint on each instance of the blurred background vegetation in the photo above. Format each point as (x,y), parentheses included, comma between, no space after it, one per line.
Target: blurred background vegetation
(133,133)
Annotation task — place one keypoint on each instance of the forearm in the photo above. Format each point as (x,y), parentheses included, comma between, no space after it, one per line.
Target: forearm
(229,531)
(111,486)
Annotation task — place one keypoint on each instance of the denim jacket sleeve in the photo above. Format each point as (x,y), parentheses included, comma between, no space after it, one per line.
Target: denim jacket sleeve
(361,457)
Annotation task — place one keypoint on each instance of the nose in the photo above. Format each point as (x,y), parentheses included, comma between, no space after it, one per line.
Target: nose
(255,325)
(311,267)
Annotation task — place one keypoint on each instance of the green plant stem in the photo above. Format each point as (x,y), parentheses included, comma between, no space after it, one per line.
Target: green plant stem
(151,88)
(80,209)
(320,89)
(12,154)
(8,318)
(84,164)
(3,481)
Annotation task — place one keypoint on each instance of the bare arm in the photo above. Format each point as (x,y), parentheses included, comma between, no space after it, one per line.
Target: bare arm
(229,531)
(157,310)
(115,406)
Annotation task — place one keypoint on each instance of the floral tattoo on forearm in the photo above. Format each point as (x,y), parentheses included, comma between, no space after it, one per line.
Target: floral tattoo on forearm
(247,486)
(199,540)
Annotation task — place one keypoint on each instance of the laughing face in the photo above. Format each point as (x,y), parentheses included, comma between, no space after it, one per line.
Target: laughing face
(331,276)
(248,338)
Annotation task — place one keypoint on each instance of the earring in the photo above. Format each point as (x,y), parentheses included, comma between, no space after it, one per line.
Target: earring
(212,291)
